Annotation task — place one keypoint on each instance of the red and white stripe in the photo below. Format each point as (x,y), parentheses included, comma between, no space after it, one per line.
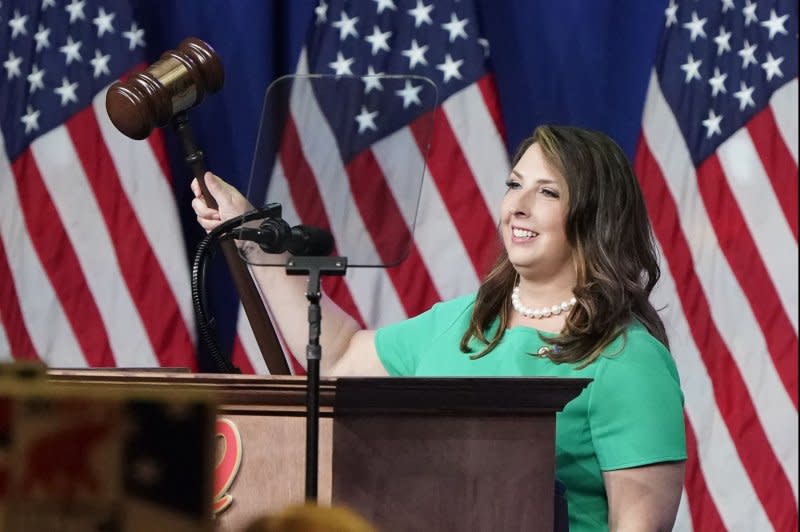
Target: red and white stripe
(5,347)
(734,336)
(33,318)
(454,239)
(69,187)
(717,467)
(145,179)
(92,263)
(782,101)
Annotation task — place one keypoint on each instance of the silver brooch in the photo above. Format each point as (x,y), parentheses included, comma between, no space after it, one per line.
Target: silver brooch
(544,351)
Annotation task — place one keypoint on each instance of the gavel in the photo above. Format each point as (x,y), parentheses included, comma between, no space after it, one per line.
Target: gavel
(161,95)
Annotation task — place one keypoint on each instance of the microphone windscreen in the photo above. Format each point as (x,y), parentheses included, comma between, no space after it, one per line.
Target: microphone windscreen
(310,241)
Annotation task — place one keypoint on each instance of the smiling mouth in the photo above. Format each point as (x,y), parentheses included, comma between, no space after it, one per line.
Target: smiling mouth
(522,235)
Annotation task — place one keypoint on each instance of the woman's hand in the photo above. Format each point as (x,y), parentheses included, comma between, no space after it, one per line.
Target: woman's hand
(231,202)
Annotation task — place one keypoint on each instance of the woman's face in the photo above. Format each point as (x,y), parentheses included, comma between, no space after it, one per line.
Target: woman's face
(533,216)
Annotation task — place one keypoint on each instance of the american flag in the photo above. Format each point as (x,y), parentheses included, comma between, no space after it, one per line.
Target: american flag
(92,268)
(717,161)
(454,240)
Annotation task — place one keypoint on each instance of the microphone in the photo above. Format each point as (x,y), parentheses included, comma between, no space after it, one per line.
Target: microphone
(275,236)
(309,241)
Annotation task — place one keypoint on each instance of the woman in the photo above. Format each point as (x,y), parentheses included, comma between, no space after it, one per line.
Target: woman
(567,297)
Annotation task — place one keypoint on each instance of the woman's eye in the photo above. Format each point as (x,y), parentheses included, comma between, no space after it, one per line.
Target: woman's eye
(550,193)
(512,184)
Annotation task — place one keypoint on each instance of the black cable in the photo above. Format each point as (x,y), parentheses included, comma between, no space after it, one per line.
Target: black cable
(205,325)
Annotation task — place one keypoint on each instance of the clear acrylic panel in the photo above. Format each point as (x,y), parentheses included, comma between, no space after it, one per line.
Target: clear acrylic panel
(345,154)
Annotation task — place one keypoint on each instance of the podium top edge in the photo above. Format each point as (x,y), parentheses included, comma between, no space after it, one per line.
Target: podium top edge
(492,396)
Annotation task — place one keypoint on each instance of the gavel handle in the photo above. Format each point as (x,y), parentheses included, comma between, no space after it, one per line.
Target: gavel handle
(251,300)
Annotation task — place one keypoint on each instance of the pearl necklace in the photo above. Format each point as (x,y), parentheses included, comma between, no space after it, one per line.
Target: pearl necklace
(538,313)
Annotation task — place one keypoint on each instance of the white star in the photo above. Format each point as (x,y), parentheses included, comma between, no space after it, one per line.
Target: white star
(100,64)
(342,65)
(712,124)
(103,22)
(749,11)
(717,82)
(745,96)
(366,120)
(723,41)
(346,25)
(726,5)
(696,26)
(421,13)
(322,12)
(372,80)
(384,4)
(748,54)
(42,38)
(48,3)
(67,91)
(774,24)
(75,9)
(135,36)
(17,24)
(71,50)
(692,68)
(36,79)
(416,54)
(670,12)
(378,40)
(456,27)
(410,94)
(450,68)
(30,119)
(772,66)
(12,65)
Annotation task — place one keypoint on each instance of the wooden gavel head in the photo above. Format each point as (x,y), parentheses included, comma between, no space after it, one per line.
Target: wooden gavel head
(176,82)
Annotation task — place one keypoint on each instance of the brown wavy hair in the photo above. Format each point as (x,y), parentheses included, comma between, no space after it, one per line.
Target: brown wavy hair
(613,249)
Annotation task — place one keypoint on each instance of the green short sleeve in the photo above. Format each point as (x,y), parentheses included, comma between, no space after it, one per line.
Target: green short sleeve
(636,406)
(402,345)
(398,347)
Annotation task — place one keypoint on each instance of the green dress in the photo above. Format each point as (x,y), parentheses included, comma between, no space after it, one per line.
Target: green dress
(630,415)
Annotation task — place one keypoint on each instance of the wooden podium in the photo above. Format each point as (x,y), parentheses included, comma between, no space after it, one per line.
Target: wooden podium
(408,454)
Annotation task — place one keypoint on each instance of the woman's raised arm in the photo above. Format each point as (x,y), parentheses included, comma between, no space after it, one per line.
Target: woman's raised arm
(346,350)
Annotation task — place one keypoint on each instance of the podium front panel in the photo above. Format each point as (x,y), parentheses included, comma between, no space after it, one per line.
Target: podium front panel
(272,471)
(446,473)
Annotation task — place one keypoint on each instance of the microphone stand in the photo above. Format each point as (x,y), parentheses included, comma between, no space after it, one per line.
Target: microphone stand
(314,267)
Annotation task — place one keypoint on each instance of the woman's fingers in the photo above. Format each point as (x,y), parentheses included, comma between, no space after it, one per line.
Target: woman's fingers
(195,186)
(207,224)
(229,200)
(204,211)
